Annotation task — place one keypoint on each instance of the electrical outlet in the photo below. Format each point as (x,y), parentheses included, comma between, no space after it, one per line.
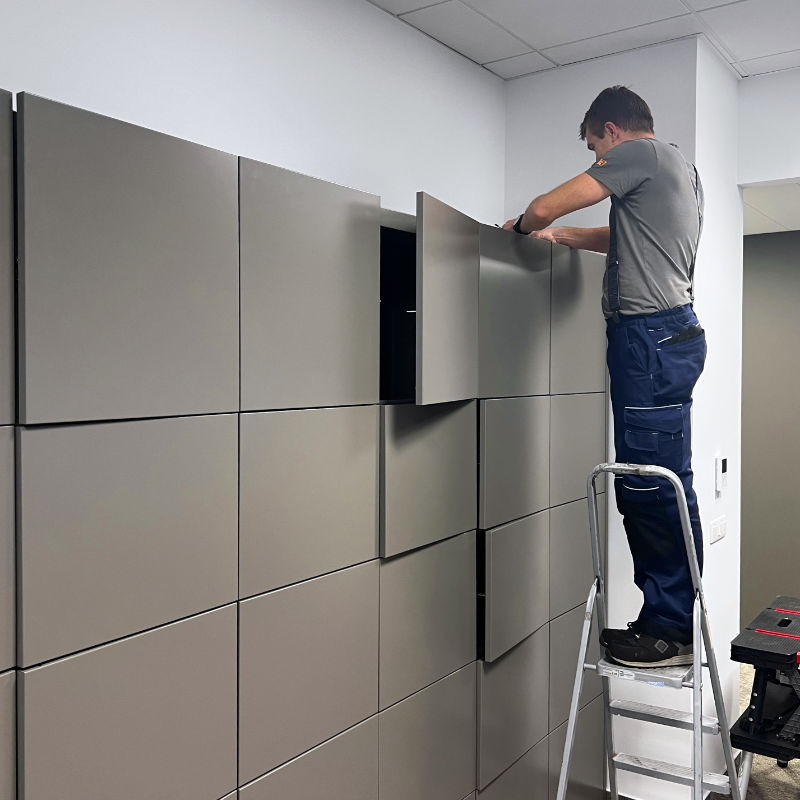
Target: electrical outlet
(719,529)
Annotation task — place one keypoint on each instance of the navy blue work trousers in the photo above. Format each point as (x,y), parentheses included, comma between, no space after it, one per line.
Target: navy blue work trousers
(652,378)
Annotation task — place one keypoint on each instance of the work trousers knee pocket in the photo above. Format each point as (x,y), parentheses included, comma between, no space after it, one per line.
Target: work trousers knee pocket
(653,435)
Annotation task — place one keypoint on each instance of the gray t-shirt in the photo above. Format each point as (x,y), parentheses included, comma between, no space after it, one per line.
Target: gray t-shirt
(658,223)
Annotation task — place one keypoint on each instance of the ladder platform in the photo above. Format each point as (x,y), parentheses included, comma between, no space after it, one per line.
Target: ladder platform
(712,781)
(673,677)
(661,716)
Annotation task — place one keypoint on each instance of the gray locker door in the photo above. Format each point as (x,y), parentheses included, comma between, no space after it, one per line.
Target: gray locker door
(6,260)
(514,462)
(578,354)
(571,571)
(512,705)
(144,718)
(308,666)
(565,637)
(429,461)
(8,736)
(310,294)
(577,443)
(309,494)
(427,622)
(7,557)
(123,526)
(343,767)
(427,742)
(517,582)
(514,314)
(526,779)
(128,273)
(448,276)
(587,772)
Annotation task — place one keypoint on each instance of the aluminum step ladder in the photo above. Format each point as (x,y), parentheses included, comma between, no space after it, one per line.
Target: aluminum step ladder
(684,677)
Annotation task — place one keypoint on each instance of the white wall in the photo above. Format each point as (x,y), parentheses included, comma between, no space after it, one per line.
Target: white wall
(693,96)
(768,123)
(342,91)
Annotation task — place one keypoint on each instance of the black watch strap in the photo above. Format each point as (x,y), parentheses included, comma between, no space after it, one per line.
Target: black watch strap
(518,225)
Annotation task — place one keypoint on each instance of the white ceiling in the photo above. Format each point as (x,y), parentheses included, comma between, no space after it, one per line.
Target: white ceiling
(518,37)
(771,209)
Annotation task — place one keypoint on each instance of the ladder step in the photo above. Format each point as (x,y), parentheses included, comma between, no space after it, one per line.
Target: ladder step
(674,677)
(712,782)
(661,716)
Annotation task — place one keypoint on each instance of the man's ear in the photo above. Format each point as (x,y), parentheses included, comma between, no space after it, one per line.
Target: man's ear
(611,130)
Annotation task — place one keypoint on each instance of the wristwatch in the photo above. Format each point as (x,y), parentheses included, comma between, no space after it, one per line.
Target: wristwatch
(518,225)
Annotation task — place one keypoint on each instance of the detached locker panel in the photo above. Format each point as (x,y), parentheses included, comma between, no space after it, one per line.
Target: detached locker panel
(512,705)
(429,464)
(577,444)
(448,268)
(128,273)
(526,779)
(123,526)
(145,718)
(7,377)
(8,736)
(571,570)
(565,637)
(7,547)
(427,623)
(427,742)
(578,349)
(310,291)
(517,582)
(587,771)
(308,666)
(309,494)
(514,314)
(344,767)
(514,460)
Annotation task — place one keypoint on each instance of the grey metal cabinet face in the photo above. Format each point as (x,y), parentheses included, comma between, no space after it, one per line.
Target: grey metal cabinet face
(514,324)
(517,582)
(514,476)
(157,711)
(6,260)
(587,770)
(427,742)
(346,767)
(128,275)
(565,636)
(512,706)
(7,557)
(427,616)
(571,572)
(577,443)
(578,330)
(309,494)
(429,463)
(527,779)
(448,262)
(310,313)
(308,666)
(8,736)
(123,526)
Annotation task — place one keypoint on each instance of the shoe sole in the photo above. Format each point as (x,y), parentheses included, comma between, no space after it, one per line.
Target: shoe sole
(675,661)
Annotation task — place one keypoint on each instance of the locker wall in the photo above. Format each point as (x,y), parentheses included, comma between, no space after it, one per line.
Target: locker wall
(240,573)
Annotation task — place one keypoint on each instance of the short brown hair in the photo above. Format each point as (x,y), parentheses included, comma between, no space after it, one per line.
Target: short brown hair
(619,105)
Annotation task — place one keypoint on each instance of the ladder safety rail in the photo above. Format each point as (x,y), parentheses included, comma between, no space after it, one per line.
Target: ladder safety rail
(733,783)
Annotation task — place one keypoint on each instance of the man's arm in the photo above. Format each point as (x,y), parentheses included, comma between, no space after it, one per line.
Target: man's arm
(595,239)
(579,192)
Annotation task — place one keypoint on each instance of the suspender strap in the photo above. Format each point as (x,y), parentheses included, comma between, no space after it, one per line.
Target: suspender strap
(612,263)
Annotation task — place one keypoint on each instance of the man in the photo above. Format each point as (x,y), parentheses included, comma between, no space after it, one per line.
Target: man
(656,349)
